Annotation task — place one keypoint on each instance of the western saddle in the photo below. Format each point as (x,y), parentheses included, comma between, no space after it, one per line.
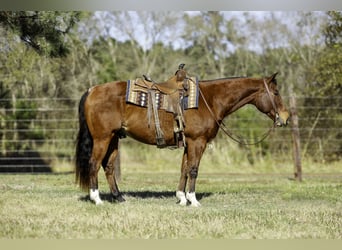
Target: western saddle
(176,87)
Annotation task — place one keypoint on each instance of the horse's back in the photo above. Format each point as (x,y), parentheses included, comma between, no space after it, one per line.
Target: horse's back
(108,90)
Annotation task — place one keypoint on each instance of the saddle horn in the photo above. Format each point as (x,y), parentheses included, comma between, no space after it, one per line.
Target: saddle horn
(147,78)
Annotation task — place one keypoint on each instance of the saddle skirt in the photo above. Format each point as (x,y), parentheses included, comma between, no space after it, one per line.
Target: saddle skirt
(138,89)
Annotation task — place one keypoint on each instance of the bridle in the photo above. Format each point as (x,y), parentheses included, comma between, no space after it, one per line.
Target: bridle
(239,139)
(272,101)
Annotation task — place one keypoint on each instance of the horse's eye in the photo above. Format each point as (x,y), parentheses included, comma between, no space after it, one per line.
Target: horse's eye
(276,92)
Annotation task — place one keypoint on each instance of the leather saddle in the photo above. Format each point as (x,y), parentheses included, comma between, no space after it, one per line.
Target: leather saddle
(176,83)
(175,88)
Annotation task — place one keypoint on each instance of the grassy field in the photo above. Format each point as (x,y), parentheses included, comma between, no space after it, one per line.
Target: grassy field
(234,206)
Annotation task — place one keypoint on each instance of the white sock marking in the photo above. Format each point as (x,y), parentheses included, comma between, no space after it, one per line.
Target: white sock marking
(192,198)
(95,196)
(181,197)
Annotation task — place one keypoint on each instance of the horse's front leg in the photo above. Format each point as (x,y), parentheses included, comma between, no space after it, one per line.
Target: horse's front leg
(195,149)
(180,194)
(191,195)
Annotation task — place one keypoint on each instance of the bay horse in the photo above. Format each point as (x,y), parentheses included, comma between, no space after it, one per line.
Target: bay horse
(105,117)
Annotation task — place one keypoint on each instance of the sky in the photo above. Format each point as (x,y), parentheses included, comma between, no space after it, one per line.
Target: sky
(128,25)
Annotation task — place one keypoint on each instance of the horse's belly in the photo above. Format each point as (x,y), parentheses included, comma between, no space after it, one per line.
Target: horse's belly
(142,128)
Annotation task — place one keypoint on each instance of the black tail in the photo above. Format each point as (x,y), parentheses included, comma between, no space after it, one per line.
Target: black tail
(83,148)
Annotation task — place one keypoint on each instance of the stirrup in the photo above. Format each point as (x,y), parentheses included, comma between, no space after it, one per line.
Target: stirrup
(178,130)
(161,143)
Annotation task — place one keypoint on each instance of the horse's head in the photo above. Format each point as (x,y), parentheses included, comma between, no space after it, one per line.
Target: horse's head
(269,101)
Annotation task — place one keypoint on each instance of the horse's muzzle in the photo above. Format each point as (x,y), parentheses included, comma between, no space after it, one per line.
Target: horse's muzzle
(282,119)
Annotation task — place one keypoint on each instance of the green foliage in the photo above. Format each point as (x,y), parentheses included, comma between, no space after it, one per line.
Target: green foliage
(4,94)
(42,30)
(5,103)
(328,73)
(23,114)
(333,30)
(325,81)
(25,111)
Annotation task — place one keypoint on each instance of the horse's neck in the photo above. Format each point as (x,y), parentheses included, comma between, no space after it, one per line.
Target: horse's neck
(231,94)
(245,95)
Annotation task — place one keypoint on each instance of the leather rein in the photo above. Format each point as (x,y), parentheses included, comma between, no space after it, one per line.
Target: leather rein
(240,140)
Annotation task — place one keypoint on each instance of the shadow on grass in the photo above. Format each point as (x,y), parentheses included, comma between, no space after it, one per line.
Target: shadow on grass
(143,195)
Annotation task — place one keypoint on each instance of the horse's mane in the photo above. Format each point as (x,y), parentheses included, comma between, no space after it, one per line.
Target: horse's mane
(232,78)
(224,78)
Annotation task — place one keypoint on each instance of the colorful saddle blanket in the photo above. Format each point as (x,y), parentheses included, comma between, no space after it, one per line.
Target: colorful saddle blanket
(137,93)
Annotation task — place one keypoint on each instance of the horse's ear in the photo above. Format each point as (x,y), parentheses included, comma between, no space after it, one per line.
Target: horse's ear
(273,77)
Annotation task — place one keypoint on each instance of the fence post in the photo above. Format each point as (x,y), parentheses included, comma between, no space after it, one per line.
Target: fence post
(295,139)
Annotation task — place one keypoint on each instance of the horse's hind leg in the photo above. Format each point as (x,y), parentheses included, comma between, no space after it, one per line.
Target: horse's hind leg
(109,167)
(98,153)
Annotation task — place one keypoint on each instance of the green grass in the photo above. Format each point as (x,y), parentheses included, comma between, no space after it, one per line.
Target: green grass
(222,155)
(234,206)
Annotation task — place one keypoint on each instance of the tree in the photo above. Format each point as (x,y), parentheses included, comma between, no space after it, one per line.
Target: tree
(324,90)
(333,30)
(208,37)
(329,70)
(41,30)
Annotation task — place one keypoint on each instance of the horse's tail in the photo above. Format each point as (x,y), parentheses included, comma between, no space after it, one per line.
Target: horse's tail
(84,147)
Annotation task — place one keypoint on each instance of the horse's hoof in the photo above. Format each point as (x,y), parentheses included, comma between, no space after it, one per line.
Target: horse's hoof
(181,198)
(183,203)
(119,198)
(195,204)
(98,202)
(192,198)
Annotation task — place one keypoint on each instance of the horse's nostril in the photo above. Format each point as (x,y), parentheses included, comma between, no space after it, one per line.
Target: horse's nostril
(287,121)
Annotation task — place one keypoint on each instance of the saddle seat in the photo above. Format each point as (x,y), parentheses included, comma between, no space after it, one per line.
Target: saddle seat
(172,85)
